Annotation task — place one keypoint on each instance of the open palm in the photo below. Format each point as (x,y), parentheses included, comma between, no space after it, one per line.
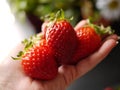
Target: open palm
(12,76)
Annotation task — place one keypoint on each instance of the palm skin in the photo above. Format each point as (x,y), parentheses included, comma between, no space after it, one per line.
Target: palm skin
(13,77)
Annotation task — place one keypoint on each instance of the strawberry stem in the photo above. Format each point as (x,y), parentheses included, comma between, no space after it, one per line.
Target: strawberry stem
(56,16)
(60,15)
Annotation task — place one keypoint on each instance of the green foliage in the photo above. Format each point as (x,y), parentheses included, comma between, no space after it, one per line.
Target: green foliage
(42,7)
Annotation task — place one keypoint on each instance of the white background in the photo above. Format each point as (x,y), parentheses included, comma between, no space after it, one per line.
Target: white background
(11,31)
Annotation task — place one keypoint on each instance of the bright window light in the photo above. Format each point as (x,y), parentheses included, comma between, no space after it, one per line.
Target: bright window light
(10,32)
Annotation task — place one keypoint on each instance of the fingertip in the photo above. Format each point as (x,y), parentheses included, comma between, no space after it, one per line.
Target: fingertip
(118,37)
(108,45)
(115,39)
(114,36)
(80,24)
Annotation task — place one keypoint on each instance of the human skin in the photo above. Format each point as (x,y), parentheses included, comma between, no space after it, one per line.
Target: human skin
(12,76)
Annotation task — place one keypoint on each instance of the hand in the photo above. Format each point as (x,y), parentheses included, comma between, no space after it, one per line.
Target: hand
(13,77)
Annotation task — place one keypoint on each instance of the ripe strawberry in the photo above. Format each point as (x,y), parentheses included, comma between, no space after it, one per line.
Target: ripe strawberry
(38,61)
(109,88)
(90,39)
(61,37)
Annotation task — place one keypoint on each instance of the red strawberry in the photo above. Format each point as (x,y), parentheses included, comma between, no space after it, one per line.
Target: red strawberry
(90,39)
(38,61)
(61,37)
(109,88)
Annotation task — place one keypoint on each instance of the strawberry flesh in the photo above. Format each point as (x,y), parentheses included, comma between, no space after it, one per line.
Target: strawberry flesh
(61,37)
(89,42)
(39,63)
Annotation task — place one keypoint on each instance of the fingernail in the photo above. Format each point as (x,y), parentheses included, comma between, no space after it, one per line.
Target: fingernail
(117,42)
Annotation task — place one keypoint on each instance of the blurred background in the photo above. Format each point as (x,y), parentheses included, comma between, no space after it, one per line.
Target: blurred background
(20,19)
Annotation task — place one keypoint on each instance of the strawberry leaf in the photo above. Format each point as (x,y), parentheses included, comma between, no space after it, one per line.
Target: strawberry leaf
(28,43)
(101,30)
(54,16)
(18,56)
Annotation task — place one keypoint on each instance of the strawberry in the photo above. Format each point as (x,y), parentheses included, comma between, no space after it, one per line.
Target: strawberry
(109,88)
(90,39)
(38,61)
(61,37)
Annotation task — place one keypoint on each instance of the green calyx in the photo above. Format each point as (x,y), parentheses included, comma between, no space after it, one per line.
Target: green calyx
(101,30)
(59,15)
(28,43)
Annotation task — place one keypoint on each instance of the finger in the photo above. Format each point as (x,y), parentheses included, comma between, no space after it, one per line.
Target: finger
(80,24)
(90,62)
(68,72)
(113,36)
